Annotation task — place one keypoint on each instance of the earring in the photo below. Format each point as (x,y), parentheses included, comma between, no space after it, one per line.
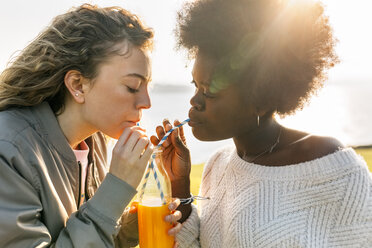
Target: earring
(258,120)
(76,94)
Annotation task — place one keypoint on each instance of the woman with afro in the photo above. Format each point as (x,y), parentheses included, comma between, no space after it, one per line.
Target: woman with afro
(277,187)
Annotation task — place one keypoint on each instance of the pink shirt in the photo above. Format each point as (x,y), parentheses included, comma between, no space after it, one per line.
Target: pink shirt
(82,157)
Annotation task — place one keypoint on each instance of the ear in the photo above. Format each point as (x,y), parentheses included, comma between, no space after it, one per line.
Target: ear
(74,82)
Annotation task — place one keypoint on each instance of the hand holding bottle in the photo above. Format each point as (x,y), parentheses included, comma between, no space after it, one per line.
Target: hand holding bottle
(172,218)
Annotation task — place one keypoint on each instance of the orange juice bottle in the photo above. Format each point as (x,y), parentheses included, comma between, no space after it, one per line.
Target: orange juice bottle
(153,206)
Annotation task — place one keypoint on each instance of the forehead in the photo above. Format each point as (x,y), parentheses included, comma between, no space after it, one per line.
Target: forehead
(203,69)
(128,60)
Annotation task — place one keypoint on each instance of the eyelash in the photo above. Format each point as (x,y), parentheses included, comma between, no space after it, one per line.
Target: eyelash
(206,95)
(131,90)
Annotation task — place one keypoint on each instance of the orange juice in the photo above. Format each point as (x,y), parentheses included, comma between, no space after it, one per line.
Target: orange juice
(152,228)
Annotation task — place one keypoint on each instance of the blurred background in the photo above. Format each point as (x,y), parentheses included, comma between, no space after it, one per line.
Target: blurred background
(343,108)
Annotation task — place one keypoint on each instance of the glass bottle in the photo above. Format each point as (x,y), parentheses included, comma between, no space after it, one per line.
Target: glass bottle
(154,197)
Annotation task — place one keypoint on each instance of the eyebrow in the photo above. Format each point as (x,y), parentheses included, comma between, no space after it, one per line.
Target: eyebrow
(202,83)
(139,76)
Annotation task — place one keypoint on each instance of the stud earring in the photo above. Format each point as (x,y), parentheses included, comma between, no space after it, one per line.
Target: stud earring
(76,94)
(258,120)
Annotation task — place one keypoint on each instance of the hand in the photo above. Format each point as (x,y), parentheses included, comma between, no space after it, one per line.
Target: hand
(130,156)
(176,160)
(176,156)
(173,218)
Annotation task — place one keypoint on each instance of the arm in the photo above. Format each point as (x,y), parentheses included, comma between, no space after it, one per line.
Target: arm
(21,210)
(188,237)
(96,224)
(128,234)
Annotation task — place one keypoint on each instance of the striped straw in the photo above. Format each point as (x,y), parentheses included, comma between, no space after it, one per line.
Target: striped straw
(170,131)
(151,167)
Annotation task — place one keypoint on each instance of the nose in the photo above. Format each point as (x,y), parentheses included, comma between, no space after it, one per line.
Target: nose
(144,101)
(197,101)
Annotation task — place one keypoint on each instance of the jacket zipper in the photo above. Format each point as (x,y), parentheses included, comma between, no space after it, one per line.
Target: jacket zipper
(87,194)
(79,185)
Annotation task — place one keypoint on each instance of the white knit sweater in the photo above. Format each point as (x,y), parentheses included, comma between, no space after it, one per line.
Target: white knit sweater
(326,202)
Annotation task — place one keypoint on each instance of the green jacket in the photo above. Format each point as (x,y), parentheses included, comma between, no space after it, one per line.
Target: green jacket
(39,188)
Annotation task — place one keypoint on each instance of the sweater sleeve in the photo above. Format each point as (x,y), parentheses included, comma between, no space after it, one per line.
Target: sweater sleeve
(188,237)
(95,224)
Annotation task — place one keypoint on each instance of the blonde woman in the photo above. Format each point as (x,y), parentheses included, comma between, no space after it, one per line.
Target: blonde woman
(85,76)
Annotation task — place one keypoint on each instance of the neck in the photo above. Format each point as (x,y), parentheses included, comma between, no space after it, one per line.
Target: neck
(73,126)
(258,140)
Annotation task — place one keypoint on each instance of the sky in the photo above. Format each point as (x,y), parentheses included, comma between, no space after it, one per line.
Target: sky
(21,21)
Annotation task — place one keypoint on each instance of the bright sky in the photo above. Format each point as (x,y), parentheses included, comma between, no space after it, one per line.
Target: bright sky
(22,20)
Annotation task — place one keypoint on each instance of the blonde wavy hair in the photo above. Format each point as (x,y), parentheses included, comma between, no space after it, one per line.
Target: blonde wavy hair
(80,40)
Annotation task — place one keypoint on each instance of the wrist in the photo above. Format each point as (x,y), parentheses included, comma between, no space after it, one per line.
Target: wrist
(186,211)
(181,188)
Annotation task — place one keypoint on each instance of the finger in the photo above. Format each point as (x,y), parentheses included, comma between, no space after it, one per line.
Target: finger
(176,140)
(132,141)
(160,132)
(147,153)
(174,204)
(123,137)
(154,140)
(173,231)
(181,132)
(140,146)
(167,127)
(139,128)
(173,218)
(133,207)
(165,123)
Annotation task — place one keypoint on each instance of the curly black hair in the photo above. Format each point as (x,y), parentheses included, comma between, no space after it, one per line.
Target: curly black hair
(281,48)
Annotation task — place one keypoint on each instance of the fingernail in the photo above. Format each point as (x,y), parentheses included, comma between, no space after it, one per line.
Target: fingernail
(168,218)
(171,231)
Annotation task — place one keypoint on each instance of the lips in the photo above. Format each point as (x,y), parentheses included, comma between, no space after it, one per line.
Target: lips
(194,120)
(133,123)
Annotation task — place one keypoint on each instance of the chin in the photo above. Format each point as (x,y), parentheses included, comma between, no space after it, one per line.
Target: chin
(114,135)
(202,136)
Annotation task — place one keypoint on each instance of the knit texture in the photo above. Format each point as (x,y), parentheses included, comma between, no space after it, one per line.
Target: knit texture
(326,202)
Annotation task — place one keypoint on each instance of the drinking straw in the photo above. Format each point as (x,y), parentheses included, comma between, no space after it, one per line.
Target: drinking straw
(151,167)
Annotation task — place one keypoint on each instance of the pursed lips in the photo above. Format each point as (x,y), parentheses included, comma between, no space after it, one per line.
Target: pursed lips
(133,123)
(194,120)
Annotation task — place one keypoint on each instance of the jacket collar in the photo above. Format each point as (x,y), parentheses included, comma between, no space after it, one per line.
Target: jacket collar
(51,130)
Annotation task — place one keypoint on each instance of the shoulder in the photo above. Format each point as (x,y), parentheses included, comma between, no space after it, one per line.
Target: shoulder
(220,155)
(19,135)
(318,146)
(219,159)
(13,161)
(301,147)
(13,122)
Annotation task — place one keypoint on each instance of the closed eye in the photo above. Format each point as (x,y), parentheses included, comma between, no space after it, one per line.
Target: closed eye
(209,95)
(131,90)
(206,94)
